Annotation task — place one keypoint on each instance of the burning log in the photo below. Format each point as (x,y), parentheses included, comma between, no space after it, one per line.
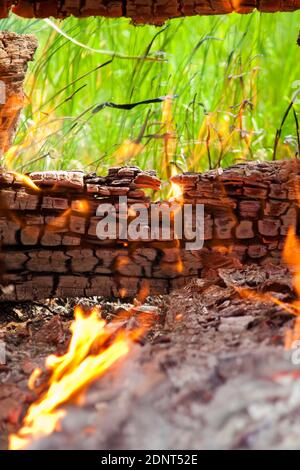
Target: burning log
(146,11)
(15,53)
(50,241)
(214,358)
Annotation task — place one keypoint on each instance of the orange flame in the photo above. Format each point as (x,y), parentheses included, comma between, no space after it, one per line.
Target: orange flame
(93,349)
(236,4)
(122,292)
(131,212)
(27,181)
(175,191)
(60,221)
(291,256)
(143,292)
(179,265)
(169,136)
(82,206)
(38,131)
(127,151)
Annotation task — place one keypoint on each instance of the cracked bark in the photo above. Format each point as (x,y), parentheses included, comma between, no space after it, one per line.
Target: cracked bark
(15,53)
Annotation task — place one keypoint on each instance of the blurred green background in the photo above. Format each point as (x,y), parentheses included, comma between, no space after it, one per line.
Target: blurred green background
(230,80)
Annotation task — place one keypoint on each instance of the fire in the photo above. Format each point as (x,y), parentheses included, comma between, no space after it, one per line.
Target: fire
(169,137)
(131,212)
(175,190)
(128,150)
(236,4)
(60,221)
(179,265)
(143,292)
(291,255)
(122,292)
(94,347)
(38,130)
(26,181)
(82,206)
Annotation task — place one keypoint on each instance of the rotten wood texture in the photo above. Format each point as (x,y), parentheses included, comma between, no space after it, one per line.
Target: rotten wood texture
(50,246)
(15,52)
(212,373)
(143,11)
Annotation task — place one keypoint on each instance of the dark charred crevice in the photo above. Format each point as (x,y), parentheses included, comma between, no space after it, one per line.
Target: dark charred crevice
(124,8)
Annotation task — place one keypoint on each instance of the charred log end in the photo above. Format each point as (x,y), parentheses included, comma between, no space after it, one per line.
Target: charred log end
(15,53)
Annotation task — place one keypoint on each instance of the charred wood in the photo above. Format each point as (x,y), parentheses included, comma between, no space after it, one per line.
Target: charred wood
(50,247)
(145,11)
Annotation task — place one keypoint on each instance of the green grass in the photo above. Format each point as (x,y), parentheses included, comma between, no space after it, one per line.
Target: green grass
(234,77)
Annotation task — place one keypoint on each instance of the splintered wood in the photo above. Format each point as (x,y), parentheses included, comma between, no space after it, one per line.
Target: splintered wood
(15,53)
(50,247)
(143,11)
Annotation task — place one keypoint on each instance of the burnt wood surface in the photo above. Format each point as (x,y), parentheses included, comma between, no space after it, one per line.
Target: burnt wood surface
(49,246)
(16,51)
(211,373)
(142,11)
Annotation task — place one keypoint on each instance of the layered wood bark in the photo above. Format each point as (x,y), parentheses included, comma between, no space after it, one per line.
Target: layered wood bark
(141,11)
(15,53)
(50,247)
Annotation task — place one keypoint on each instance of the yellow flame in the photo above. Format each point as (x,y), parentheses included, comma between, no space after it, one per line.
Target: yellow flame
(127,151)
(43,126)
(169,136)
(33,378)
(83,206)
(27,181)
(175,190)
(86,359)
(291,255)
(131,212)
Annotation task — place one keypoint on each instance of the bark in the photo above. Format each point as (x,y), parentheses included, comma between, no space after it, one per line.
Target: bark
(144,11)
(50,247)
(15,53)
